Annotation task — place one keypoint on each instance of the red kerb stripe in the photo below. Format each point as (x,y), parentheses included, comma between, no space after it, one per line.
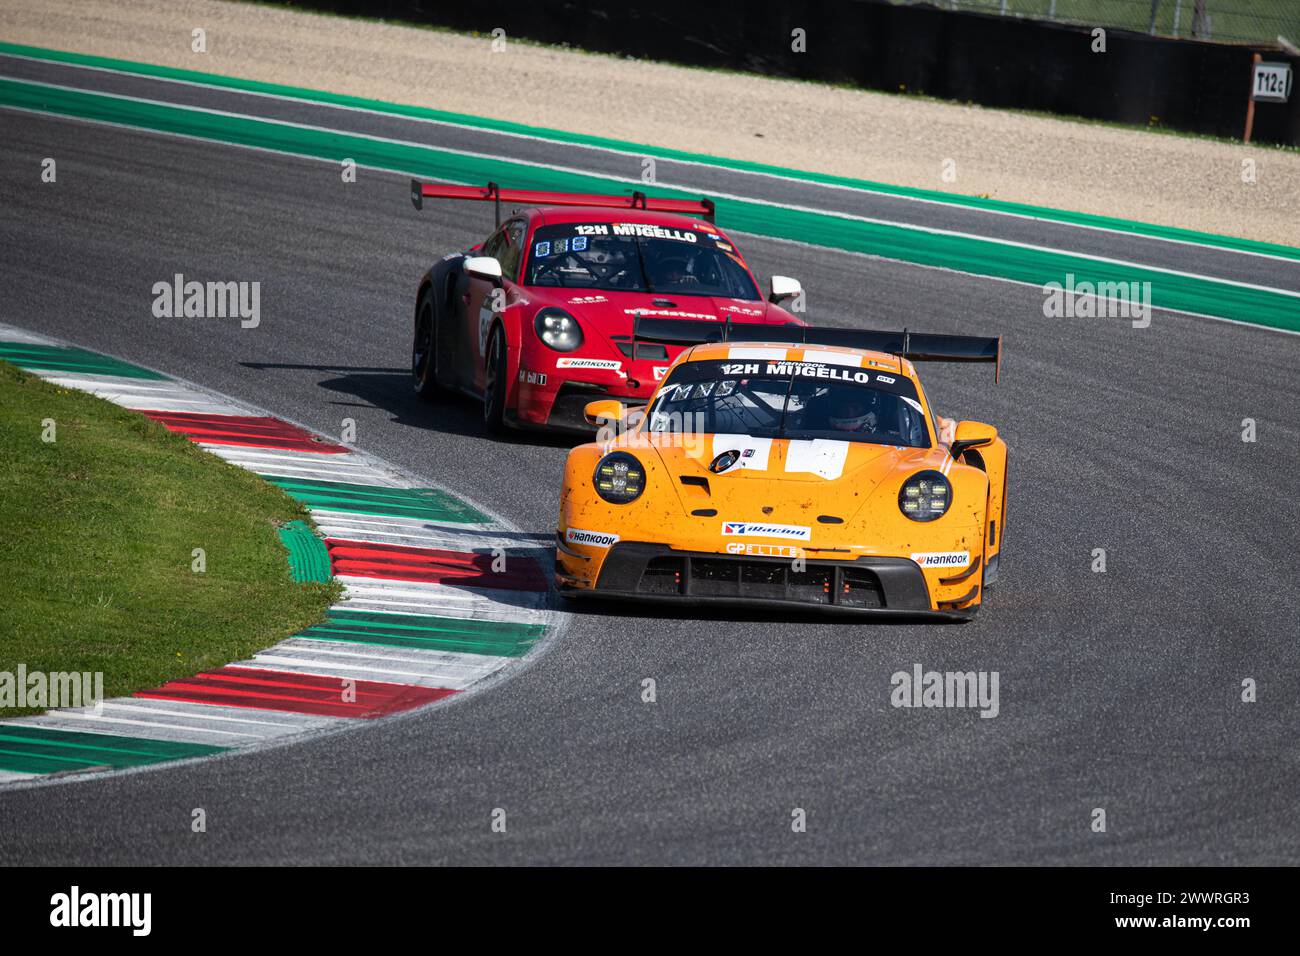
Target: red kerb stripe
(400,563)
(299,693)
(260,432)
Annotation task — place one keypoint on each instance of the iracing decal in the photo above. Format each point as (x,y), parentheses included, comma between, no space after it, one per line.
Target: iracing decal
(753,529)
(942,559)
(596,539)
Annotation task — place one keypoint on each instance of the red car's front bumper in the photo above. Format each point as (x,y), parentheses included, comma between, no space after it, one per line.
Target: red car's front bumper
(554,397)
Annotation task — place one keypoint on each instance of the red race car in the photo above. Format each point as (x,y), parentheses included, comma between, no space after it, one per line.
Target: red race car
(537,320)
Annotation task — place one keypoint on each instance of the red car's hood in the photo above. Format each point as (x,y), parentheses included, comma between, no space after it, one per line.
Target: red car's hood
(607,317)
(612,313)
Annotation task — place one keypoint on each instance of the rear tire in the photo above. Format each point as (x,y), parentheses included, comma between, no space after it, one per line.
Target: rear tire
(424,377)
(495,384)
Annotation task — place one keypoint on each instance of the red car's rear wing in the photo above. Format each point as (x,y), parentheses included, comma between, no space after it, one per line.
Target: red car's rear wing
(703,208)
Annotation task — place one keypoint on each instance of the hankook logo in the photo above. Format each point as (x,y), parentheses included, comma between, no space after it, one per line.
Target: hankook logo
(596,539)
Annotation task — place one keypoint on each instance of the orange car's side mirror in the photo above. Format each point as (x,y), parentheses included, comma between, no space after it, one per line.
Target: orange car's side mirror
(972,435)
(605,410)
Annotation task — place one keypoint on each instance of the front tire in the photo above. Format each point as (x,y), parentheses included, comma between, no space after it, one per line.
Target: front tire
(424,375)
(496,383)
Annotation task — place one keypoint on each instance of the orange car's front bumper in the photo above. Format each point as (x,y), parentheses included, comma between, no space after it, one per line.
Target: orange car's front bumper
(887,586)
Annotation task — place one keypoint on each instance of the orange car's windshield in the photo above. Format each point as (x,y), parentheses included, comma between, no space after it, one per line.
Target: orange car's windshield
(801,400)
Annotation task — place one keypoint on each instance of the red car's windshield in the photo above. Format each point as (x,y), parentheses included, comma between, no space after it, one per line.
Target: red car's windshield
(635,257)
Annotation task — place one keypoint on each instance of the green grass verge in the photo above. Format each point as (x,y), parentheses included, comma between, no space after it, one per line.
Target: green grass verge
(97,530)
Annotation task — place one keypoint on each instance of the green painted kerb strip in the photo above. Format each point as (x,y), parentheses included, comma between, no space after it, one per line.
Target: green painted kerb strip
(498,638)
(309,559)
(430,504)
(1258,306)
(643,149)
(67,359)
(25,749)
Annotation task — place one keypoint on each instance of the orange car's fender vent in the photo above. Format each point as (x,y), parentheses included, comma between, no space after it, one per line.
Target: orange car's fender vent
(705,512)
(830,519)
(696,488)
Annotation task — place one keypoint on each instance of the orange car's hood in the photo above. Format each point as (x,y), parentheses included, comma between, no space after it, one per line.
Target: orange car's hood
(792,477)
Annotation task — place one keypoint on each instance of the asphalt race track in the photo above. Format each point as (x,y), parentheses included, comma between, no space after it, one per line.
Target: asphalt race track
(1118,690)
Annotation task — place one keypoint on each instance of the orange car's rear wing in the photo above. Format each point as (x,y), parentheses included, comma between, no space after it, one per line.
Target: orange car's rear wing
(915,346)
(702,208)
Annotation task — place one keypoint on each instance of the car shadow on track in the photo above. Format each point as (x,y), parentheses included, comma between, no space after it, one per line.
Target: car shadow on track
(389,389)
(659,610)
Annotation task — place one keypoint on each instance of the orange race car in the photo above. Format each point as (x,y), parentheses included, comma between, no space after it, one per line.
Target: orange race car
(788,465)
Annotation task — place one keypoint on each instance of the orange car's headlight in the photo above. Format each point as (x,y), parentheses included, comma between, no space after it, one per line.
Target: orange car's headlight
(619,478)
(925,496)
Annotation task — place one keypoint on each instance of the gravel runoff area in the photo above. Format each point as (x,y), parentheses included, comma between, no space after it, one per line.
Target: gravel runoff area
(1169,179)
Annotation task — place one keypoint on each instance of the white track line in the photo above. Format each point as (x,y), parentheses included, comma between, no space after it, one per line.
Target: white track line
(639,151)
(406,174)
(571,170)
(23,337)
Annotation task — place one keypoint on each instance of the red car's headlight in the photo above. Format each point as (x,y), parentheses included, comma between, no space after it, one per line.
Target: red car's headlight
(558,330)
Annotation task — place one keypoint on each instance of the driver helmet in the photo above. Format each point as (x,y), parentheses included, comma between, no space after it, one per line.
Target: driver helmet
(670,270)
(852,415)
